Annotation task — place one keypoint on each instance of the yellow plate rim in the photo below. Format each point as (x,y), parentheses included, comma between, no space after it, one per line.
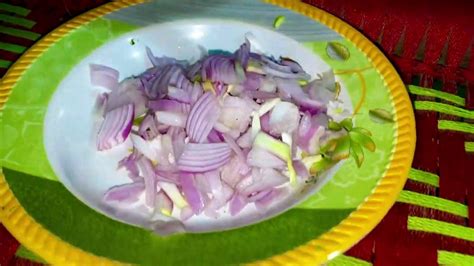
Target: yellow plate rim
(327,246)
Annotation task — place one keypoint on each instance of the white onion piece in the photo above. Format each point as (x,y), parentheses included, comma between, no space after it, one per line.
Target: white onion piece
(163,203)
(268,105)
(235,114)
(173,192)
(145,147)
(116,127)
(147,171)
(264,179)
(234,147)
(171,118)
(245,141)
(284,118)
(129,91)
(261,158)
(178,94)
(237,204)
(234,171)
(103,76)
(190,192)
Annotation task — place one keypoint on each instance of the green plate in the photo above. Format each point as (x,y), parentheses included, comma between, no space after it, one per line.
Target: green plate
(44,193)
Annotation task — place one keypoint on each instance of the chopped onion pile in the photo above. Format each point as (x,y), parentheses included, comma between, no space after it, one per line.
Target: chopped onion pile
(228,131)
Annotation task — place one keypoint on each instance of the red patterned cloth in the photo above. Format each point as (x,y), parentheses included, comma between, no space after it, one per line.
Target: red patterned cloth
(430,44)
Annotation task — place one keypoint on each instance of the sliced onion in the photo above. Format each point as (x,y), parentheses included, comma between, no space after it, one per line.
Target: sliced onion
(190,192)
(179,94)
(148,128)
(234,171)
(178,137)
(235,114)
(126,193)
(186,213)
(242,55)
(220,199)
(264,179)
(319,93)
(258,195)
(171,118)
(163,203)
(168,158)
(274,196)
(104,76)
(204,157)
(169,105)
(265,125)
(301,169)
(147,171)
(289,88)
(283,71)
(130,164)
(253,81)
(162,61)
(237,204)
(145,148)
(261,95)
(202,117)
(169,75)
(245,141)
(128,92)
(233,145)
(284,118)
(219,68)
(116,127)
(173,192)
(214,136)
(261,158)
(195,92)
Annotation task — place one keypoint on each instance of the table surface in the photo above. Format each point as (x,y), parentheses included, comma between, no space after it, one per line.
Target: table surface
(431,45)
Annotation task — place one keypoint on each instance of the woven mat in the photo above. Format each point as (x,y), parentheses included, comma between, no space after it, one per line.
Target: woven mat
(431,44)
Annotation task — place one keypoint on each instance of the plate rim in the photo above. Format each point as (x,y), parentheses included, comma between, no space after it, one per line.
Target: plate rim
(317,251)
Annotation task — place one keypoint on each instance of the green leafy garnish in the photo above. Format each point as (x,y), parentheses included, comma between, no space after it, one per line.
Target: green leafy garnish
(342,149)
(363,140)
(278,21)
(351,144)
(347,124)
(381,116)
(321,165)
(357,153)
(132,42)
(334,126)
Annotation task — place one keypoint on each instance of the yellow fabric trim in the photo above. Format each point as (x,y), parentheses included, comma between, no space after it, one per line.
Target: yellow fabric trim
(433,202)
(454,259)
(442,228)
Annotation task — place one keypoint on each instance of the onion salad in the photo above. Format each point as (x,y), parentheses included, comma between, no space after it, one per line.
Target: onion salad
(223,133)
